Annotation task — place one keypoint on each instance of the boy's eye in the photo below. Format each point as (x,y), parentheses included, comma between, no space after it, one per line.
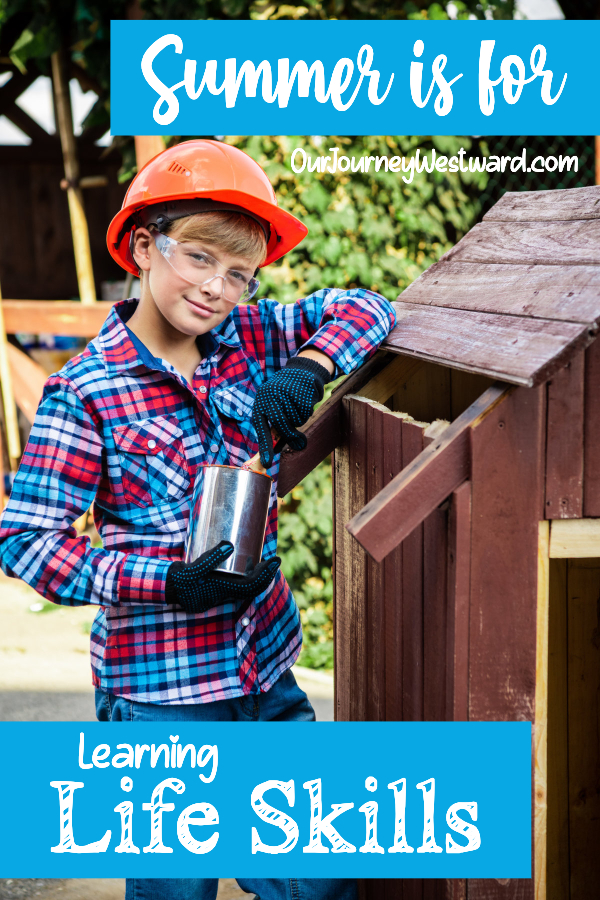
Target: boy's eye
(200,258)
(239,277)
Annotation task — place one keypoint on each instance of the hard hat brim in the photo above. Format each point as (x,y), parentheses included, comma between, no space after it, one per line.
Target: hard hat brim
(287,230)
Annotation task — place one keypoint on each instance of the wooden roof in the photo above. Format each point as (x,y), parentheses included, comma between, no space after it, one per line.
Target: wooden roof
(517,297)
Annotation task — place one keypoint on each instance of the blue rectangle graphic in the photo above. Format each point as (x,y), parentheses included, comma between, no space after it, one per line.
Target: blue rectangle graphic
(344,799)
(198,77)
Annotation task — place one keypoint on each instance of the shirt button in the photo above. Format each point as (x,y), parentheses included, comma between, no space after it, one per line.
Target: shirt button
(245,621)
(214,448)
(151,445)
(202,389)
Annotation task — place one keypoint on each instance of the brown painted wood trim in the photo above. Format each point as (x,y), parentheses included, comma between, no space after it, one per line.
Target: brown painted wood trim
(326,429)
(391,454)
(435,614)
(507,484)
(564,442)
(591,451)
(459,579)
(410,497)
(510,348)
(412,600)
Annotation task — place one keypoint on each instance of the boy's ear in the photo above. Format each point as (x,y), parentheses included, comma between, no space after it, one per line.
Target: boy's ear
(141,249)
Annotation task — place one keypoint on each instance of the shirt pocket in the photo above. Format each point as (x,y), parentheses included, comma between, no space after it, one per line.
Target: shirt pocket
(234,405)
(152,460)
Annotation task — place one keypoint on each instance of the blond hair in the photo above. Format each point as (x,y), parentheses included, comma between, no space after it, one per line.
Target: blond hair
(232,232)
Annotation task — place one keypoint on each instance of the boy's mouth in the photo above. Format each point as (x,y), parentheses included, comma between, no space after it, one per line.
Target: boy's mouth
(200,308)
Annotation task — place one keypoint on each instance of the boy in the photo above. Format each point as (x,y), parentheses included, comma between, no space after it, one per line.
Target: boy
(189,376)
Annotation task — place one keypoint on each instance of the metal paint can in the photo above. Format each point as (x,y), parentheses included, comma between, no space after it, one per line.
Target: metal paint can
(233,505)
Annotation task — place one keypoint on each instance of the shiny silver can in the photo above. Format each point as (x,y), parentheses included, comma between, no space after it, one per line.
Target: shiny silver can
(232,505)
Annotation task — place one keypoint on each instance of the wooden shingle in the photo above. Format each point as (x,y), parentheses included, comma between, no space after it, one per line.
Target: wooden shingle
(517,297)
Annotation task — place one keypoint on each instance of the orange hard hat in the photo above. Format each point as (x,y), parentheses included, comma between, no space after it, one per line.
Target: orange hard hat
(219,177)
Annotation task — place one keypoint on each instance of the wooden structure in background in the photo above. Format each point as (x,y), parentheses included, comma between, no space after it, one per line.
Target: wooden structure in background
(467,464)
(72,182)
(39,265)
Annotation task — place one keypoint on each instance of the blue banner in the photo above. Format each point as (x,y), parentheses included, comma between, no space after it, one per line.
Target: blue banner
(356,799)
(198,77)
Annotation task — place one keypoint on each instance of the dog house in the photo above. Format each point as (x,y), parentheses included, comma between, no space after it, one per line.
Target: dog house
(466,459)
(467,518)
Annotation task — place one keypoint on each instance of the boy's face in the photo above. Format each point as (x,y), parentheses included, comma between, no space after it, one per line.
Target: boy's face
(191,309)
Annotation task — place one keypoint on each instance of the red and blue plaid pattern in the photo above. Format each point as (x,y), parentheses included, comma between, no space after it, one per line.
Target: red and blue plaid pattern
(124,430)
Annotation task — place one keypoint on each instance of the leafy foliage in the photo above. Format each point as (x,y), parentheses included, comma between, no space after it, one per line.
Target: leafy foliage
(369,229)
(305,546)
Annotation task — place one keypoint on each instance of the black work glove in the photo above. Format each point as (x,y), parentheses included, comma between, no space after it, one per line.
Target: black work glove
(196,587)
(286,401)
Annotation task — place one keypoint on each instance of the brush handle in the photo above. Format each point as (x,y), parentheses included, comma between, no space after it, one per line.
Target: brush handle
(254,464)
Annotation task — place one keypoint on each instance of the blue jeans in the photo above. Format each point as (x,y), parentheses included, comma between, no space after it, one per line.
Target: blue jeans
(285,702)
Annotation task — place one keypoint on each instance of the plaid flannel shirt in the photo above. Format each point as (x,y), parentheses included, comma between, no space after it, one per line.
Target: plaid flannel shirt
(124,430)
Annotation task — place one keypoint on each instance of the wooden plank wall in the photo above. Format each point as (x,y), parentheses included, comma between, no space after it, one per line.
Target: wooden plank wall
(573,439)
(457,604)
(39,264)
(395,650)
(591,454)
(564,452)
(507,501)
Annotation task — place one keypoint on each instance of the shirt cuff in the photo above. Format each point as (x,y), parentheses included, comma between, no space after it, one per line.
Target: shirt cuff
(345,354)
(142,579)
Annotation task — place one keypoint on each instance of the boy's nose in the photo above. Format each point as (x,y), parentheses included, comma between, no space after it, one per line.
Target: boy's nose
(213,287)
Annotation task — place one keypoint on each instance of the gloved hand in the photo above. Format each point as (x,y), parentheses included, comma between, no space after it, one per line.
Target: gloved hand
(286,401)
(196,587)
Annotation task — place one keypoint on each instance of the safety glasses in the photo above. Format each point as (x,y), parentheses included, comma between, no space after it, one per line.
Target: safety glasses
(199,267)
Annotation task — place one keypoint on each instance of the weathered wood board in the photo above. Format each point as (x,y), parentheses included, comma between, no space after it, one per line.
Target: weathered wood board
(531,243)
(516,349)
(517,297)
(591,448)
(412,594)
(459,583)
(569,292)
(441,468)
(544,206)
(507,499)
(564,442)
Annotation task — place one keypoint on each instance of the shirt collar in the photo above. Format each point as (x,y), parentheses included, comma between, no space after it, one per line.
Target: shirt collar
(123,351)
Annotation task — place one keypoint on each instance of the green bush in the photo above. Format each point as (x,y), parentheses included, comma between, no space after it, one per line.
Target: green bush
(366,229)
(305,546)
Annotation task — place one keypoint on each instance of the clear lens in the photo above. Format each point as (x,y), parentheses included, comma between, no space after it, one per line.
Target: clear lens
(199,267)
